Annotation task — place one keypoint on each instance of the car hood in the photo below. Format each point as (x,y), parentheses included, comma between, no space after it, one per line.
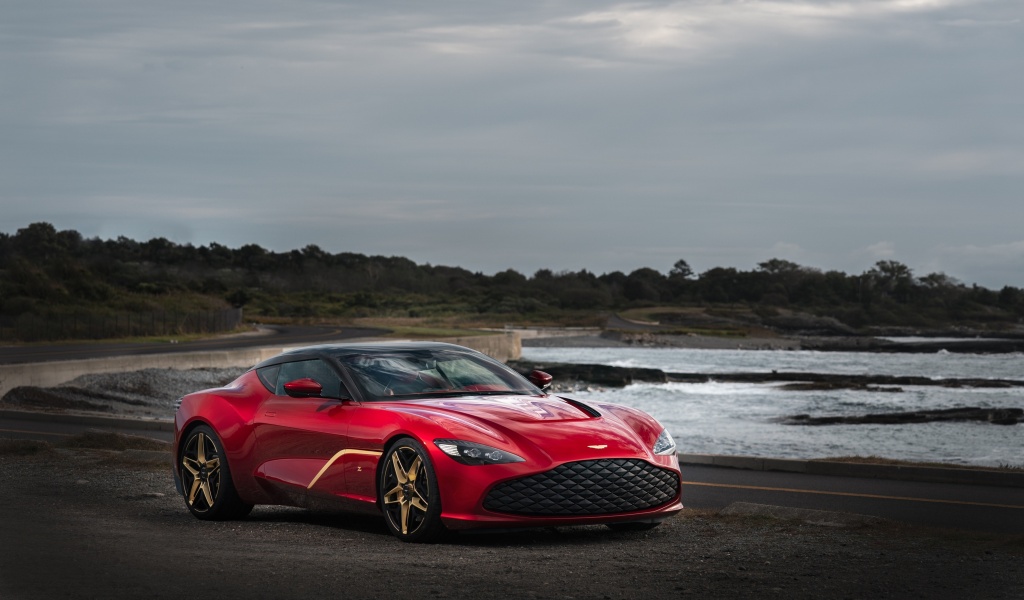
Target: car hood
(519,409)
(547,428)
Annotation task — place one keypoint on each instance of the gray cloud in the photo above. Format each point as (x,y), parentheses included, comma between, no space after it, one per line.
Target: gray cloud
(565,135)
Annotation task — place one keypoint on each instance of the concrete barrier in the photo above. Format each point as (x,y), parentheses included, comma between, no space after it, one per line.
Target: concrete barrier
(529,333)
(502,346)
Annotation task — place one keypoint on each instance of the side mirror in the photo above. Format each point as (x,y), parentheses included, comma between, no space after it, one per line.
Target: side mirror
(541,379)
(303,388)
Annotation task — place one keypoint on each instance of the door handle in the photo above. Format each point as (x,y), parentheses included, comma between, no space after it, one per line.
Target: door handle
(270,414)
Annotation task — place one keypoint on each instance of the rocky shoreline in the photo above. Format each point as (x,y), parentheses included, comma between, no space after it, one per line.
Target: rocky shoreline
(571,377)
(610,376)
(849,343)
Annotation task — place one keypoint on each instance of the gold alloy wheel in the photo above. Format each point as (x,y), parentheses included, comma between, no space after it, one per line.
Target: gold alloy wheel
(200,463)
(407,498)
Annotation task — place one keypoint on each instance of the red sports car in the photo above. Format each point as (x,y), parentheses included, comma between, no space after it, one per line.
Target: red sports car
(433,435)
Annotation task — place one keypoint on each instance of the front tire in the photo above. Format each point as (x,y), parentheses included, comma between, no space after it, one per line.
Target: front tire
(409,493)
(206,478)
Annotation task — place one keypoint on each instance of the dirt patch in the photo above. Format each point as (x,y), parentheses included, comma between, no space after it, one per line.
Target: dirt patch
(54,399)
(23,447)
(84,523)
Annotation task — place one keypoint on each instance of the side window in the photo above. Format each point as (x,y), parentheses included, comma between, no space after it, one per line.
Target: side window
(268,377)
(315,369)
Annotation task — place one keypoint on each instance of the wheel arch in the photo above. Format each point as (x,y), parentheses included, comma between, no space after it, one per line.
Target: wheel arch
(179,441)
(230,418)
(185,431)
(385,448)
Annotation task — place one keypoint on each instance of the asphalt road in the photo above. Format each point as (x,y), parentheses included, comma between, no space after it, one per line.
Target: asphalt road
(283,335)
(54,431)
(81,524)
(968,507)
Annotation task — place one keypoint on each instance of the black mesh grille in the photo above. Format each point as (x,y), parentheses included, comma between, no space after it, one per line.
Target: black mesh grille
(589,487)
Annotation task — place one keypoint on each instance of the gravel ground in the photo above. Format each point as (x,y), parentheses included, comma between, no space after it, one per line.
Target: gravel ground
(144,393)
(103,524)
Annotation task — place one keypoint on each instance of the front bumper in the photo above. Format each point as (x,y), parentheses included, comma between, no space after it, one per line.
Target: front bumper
(594,491)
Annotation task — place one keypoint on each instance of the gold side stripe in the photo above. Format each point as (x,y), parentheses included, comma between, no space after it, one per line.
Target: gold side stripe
(852,494)
(335,458)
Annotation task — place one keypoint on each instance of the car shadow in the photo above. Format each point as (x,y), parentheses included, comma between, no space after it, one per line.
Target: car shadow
(321,518)
(496,538)
(575,536)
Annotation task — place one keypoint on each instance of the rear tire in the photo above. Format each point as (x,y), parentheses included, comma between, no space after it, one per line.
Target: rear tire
(206,478)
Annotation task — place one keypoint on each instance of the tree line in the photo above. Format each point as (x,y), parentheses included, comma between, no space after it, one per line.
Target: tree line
(43,270)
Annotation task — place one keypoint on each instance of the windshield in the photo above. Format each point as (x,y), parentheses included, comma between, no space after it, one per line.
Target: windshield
(427,373)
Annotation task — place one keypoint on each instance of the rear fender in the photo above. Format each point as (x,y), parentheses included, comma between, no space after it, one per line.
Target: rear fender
(229,412)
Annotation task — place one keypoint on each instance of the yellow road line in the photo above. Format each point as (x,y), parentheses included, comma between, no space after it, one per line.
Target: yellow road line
(851,494)
(34,432)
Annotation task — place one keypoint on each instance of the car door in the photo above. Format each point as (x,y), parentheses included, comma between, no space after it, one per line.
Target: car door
(299,438)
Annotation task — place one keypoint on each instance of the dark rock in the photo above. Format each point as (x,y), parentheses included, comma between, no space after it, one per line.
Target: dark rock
(966,346)
(997,416)
(846,384)
(596,374)
(840,380)
(609,376)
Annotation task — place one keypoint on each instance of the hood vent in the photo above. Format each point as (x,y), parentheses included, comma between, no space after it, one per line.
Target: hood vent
(585,408)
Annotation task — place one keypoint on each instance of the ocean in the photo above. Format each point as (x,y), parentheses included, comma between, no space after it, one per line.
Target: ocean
(744,419)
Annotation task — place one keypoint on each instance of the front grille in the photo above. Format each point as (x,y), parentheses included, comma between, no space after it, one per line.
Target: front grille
(589,487)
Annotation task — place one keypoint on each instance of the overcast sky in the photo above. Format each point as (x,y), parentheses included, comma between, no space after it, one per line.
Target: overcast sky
(526,135)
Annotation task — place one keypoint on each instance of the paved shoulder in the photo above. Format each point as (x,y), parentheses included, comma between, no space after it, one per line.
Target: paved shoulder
(947,505)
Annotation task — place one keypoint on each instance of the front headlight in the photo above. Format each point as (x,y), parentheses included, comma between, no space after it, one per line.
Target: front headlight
(472,453)
(665,444)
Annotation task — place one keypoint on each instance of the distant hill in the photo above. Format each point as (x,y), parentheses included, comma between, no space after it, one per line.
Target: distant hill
(44,271)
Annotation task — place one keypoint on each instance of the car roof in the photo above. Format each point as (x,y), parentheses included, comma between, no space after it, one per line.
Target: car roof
(324,350)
